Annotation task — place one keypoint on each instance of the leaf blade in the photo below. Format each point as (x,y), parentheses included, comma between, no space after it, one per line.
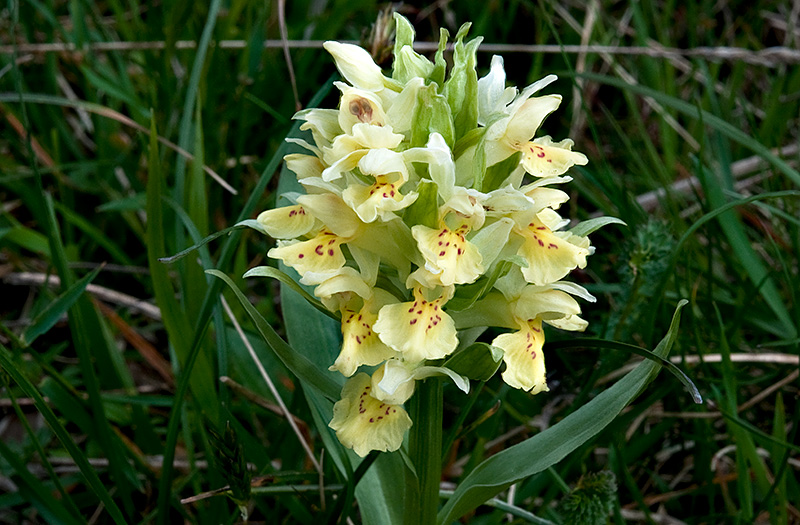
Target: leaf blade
(550,446)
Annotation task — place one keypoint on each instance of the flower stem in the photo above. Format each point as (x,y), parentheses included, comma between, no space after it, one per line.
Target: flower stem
(425,446)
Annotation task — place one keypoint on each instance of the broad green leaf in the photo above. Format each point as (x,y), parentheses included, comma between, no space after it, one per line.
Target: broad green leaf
(380,493)
(479,361)
(550,446)
(307,371)
(50,315)
(431,114)
(424,210)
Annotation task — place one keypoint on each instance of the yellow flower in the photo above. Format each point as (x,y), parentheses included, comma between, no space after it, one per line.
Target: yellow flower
(383,197)
(448,254)
(360,344)
(364,423)
(418,329)
(288,222)
(512,120)
(320,256)
(550,255)
(544,158)
(523,308)
(522,353)
(394,381)
(357,105)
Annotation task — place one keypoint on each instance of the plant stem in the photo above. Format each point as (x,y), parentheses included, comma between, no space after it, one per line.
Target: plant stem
(425,446)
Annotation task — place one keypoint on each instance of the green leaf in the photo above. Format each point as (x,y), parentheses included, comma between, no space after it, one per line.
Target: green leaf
(479,361)
(550,446)
(439,63)
(274,273)
(584,228)
(431,115)
(309,373)
(461,89)
(50,315)
(175,319)
(424,210)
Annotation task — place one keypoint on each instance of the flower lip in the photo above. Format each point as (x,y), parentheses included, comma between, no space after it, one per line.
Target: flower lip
(364,423)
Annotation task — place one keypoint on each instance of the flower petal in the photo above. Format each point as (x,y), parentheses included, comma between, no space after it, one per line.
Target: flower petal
(304,166)
(288,222)
(448,254)
(393,382)
(524,123)
(357,105)
(522,353)
(545,158)
(550,255)
(356,65)
(322,123)
(418,329)
(381,199)
(365,424)
(321,255)
(360,344)
(333,212)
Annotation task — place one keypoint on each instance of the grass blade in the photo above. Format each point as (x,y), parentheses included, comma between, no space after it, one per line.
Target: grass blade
(52,420)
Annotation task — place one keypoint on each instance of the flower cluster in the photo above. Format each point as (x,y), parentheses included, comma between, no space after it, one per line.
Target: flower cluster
(430,207)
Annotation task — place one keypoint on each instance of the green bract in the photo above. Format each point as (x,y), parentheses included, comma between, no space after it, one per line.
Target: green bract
(423,188)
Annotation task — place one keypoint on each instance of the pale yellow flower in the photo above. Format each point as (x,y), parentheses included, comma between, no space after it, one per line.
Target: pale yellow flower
(418,329)
(364,423)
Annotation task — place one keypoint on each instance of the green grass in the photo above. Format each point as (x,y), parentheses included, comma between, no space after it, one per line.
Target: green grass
(90,429)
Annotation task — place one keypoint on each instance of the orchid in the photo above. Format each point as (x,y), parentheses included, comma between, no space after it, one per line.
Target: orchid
(430,208)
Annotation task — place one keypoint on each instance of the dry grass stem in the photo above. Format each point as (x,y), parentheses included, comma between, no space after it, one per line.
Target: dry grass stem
(265,376)
(768,57)
(106,294)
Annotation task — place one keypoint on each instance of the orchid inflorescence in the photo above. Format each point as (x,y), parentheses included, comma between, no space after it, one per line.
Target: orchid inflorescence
(430,208)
